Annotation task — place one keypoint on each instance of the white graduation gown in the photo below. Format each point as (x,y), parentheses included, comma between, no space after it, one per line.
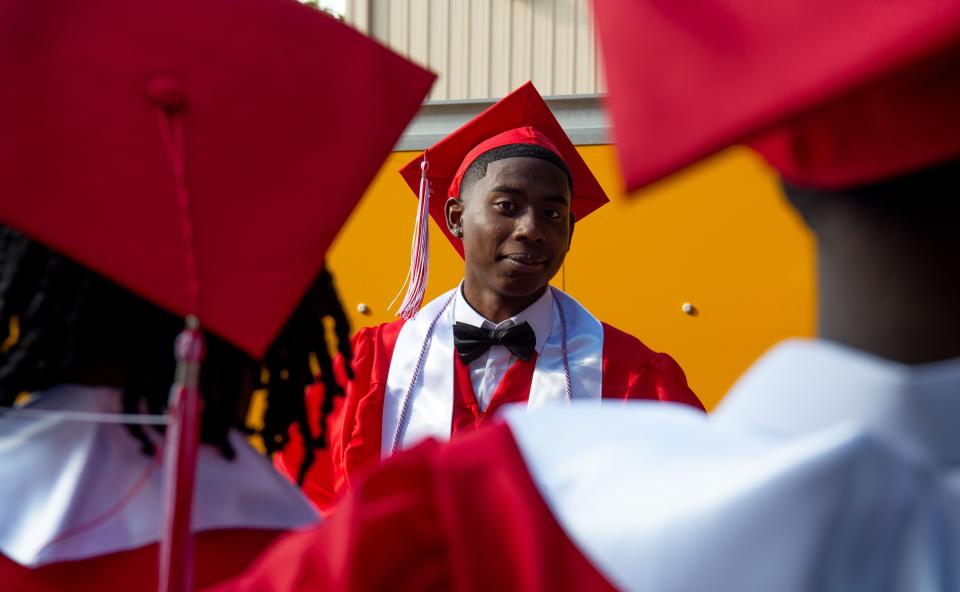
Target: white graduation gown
(825,469)
(72,490)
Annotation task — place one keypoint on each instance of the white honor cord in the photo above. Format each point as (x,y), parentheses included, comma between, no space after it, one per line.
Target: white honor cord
(408,395)
(563,344)
(86,416)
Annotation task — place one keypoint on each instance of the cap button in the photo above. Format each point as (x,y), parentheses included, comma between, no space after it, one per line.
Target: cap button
(167,93)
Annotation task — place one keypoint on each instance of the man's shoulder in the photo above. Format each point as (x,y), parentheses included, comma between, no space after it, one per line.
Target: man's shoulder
(384,334)
(631,370)
(615,339)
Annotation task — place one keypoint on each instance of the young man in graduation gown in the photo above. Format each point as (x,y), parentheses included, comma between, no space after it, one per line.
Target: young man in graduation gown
(832,464)
(126,205)
(506,188)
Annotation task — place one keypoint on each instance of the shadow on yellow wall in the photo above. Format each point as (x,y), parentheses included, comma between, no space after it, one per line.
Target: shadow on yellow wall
(718,236)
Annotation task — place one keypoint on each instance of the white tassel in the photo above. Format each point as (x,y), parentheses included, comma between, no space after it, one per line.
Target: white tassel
(416,280)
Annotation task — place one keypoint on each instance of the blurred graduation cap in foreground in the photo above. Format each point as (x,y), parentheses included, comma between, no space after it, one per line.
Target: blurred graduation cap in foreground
(831,93)
(190,150)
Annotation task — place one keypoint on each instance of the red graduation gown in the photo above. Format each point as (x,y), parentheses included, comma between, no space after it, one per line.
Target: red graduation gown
(220,555)
(424,521)
(631,370)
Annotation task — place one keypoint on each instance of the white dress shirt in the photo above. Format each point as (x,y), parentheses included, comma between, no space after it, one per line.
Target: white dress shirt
(488,370)
(422,359)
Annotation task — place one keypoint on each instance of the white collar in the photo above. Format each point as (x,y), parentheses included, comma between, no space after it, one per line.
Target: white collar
(803,386)
(539,315)
(58,475)
(425,382)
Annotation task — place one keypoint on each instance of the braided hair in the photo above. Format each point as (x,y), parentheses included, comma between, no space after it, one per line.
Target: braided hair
(62,323)
(287,363)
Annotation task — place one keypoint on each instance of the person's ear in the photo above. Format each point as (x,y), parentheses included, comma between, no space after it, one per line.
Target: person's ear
(453,212)
(573,222)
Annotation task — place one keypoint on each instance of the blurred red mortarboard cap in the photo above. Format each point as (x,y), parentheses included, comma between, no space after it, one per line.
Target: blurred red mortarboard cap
(285,116)
(201,153)
(832,92)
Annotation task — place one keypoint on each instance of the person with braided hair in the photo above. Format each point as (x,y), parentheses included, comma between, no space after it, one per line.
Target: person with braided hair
(288,368)
(75,342)
(168,192)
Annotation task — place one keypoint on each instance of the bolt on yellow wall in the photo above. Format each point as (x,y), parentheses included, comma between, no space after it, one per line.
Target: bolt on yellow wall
(718,236)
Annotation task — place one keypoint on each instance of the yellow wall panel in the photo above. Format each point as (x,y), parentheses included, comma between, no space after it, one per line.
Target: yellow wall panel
(718,236)
(564,54)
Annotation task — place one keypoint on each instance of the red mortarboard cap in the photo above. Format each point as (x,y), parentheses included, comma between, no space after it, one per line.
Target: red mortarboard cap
(832,92)
(201,153)
(526,115)
(283,113)
(521,117)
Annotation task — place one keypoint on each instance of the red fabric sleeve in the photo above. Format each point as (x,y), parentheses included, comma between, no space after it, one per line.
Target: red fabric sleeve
(463,516)
(354,426)
(361,429)
(318,485)
(220,555)
(362,345)
(631,370)
(501,535)
(384,536)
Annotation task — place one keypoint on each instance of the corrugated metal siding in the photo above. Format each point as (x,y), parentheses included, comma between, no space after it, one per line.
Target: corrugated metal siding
(485,48)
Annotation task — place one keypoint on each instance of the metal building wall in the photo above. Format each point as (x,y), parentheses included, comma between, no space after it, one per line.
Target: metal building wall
(485,48)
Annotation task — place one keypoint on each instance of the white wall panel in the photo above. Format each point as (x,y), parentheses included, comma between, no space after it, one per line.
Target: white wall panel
(480,48)
(566,16)
(585,66)
(521,58)
(458,70)
(438,39)
(501,47)
(485,48)
(398,24)
(419,44)
(543,42)
(379,17)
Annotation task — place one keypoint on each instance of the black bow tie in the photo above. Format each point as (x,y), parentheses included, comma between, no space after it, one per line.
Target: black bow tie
(471,342)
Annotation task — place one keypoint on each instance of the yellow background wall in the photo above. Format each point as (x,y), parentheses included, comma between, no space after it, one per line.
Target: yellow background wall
(719,236)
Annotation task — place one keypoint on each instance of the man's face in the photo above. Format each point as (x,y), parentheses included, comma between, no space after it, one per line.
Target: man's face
(516,225)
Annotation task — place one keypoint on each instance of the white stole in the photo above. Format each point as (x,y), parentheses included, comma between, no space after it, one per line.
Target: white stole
(430,413)
(64,484)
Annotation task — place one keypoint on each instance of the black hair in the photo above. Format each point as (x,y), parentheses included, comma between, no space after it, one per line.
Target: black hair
(62,323)
(288,365)
(925,197)
(478,168)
